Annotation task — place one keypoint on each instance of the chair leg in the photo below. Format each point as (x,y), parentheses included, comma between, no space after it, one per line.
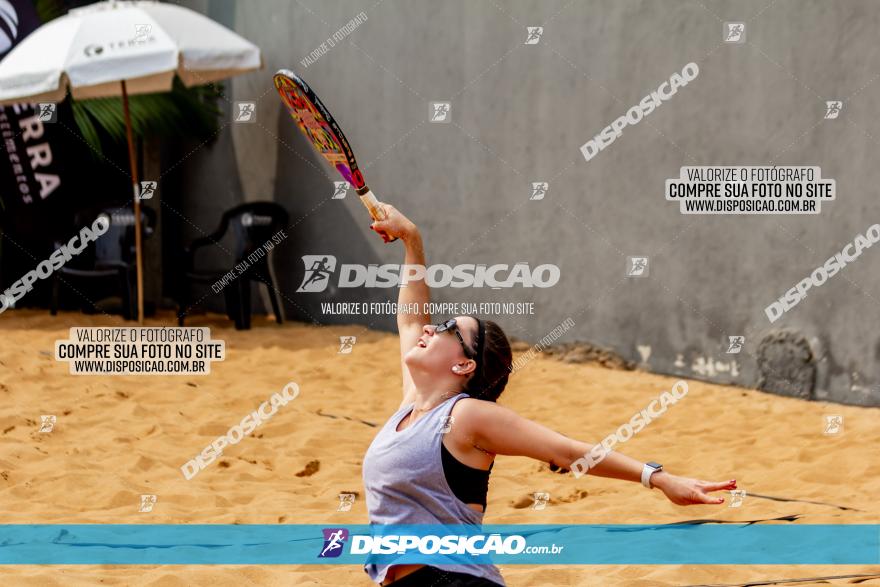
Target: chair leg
(234,293)
(230,294)
(274,298)
(262,275)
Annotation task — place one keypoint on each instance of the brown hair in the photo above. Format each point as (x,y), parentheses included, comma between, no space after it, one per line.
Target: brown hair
(493,364)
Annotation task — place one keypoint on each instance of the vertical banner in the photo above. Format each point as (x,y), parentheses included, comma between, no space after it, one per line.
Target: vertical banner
(37,148)
(28,171)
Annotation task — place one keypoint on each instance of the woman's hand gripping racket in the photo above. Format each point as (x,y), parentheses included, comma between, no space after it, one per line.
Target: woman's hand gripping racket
(313,118)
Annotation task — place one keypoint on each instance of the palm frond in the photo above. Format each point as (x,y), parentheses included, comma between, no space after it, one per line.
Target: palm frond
(85,125)
(49,9)
(182,112)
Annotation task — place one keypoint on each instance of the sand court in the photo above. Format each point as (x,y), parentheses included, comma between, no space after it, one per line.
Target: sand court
(116,438)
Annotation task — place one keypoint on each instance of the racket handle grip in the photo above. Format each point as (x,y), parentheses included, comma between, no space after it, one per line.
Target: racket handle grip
(376,212)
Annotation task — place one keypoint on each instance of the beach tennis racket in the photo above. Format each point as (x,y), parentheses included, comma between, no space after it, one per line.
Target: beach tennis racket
(325,134)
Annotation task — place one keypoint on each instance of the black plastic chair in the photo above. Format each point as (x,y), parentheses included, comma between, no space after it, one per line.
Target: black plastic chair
(253,225)
(111,258)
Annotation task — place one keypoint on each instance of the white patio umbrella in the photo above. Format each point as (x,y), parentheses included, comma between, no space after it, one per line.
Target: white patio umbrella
(118,48)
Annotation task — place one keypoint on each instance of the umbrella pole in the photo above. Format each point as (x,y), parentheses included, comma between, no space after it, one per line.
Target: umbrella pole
(132,161)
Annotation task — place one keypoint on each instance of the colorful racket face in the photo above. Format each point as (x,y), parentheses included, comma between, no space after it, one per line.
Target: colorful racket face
(319,126)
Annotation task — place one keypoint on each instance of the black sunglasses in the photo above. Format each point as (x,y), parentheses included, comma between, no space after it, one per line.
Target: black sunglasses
(451,326)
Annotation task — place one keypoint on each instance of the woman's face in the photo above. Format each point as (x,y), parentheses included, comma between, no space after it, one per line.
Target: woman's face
(440,351)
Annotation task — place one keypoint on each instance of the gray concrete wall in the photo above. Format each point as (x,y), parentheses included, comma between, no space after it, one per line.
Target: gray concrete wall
(520,114)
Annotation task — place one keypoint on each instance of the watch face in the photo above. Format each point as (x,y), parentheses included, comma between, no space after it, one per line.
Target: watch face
(654,465)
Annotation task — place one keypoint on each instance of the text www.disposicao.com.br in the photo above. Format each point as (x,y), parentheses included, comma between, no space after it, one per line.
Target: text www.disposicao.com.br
(125,367)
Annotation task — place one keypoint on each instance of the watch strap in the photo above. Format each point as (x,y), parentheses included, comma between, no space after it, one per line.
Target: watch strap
(648,470)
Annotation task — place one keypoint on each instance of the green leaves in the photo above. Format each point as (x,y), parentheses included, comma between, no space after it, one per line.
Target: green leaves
(181,113)
(49,9)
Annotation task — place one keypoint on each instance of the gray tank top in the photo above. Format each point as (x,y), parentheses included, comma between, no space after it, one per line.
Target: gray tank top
(405,484)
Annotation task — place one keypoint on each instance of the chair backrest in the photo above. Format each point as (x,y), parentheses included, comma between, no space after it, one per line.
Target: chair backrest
(118,243)
(253,224)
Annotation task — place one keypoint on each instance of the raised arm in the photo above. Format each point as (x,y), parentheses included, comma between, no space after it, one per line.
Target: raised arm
(499,430)
(415,294)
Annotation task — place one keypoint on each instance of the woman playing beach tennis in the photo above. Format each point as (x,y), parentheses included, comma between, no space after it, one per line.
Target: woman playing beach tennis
(453,373)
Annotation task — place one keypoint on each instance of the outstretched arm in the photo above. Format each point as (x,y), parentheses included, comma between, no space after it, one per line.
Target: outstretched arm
(500,430)
(416,292)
